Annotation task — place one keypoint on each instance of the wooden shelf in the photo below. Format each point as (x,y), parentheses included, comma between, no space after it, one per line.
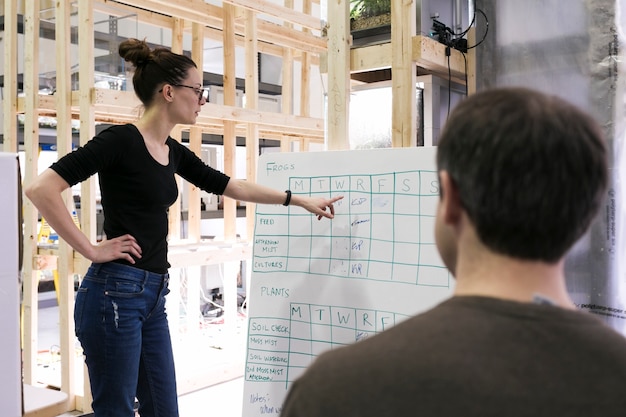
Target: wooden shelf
(427,53)
(214,214)
(209,252)
(43,402)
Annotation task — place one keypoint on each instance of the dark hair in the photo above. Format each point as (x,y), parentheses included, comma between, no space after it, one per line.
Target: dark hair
(531,170)
(153,68)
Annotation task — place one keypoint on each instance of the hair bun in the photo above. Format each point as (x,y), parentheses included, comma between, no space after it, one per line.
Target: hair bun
(135,51)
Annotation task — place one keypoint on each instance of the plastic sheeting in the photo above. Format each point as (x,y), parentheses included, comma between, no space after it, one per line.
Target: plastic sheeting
(572,49)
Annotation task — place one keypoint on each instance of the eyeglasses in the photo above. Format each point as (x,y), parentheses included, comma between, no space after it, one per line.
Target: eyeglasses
(203,93)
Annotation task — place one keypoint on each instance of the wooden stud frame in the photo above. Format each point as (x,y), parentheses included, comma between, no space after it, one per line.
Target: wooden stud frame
(237,23)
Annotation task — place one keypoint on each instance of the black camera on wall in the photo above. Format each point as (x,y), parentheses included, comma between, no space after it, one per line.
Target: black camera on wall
(443,34)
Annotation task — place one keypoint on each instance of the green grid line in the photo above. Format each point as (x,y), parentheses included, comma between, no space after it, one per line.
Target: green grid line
(354,265)
(278,363)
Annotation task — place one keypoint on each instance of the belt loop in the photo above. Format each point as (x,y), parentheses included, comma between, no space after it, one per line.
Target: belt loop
(96,268)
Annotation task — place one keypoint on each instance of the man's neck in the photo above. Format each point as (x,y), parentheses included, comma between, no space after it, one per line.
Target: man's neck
(494,275)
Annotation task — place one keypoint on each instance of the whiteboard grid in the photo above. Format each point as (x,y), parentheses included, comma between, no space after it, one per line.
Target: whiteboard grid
(381,231)
(279,350)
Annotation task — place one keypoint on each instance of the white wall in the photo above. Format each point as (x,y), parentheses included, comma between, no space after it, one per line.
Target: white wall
(10,355)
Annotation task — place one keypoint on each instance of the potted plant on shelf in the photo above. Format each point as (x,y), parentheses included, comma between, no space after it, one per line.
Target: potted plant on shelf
(367,14)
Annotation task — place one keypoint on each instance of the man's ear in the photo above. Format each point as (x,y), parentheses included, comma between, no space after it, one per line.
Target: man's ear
(450,203)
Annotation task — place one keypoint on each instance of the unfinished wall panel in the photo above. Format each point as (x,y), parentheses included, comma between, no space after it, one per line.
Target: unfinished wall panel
(578,59)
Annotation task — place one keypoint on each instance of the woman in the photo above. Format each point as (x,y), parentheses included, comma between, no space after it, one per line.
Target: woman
(120,306)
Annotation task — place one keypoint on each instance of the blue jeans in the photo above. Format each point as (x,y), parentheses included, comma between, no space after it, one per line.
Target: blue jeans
(122,326)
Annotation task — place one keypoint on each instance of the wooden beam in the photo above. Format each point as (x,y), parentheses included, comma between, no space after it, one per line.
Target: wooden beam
(403,93)
(195,141)
(213,16)
(287,70)
(208,253)
(252,103)
(339,40)
(9,103)
(287,84)
(65,270)
(240,115)
(194,214)
(189,10)
(31,147)
(230,139)
(287,14)
(174,213)
(83,109)
(45,262)
(431,55)
(143,15)
(370,58)
(47,259)
(83,100)
(471,62)
(305,74)
(292,38)
(112,106)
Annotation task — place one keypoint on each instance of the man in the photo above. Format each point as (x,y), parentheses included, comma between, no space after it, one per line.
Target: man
(521,175)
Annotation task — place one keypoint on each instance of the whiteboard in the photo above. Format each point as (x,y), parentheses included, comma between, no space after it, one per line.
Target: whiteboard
(322,284)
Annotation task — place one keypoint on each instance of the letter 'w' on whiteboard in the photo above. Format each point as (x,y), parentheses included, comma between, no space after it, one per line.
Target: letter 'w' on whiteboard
(321,284)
